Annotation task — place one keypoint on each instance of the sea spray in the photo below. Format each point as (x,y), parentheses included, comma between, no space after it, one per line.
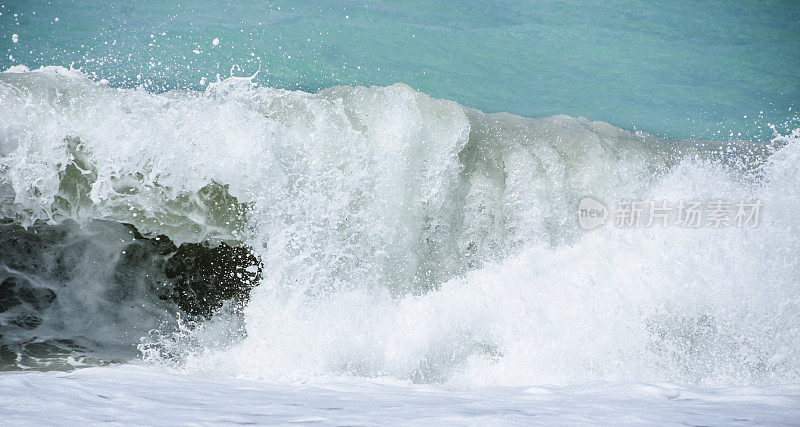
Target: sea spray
(411,237)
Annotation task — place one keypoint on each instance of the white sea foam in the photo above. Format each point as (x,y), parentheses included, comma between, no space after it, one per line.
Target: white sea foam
(415,238)
(130,395)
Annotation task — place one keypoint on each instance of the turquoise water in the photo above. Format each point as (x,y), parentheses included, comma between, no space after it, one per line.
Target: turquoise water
(682,69)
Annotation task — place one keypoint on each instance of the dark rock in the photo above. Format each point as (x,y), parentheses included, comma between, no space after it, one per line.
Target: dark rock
(26,321)
(202,277)
(38,298)
(162,243)
(8,357)
(197,277)
(8,294)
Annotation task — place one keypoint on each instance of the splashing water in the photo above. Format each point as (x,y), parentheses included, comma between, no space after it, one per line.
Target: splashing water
(412,237)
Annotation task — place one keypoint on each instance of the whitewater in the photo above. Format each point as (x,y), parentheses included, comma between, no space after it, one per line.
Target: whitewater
(415,261)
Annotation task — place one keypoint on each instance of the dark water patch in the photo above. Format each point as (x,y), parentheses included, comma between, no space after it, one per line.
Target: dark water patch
(72,295)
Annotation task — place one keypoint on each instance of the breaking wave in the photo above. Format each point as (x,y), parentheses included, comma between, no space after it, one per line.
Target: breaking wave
(392,234)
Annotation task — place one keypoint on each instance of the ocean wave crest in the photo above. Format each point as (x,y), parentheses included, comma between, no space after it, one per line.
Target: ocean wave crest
(408,236)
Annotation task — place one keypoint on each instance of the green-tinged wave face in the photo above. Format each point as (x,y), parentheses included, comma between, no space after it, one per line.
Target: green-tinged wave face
(378,231)
(194,165)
